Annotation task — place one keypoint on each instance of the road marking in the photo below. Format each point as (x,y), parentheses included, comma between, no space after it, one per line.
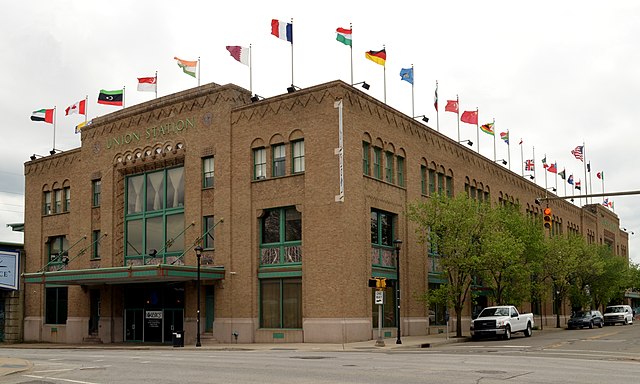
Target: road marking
(601,336)
(58,379)
(54,370)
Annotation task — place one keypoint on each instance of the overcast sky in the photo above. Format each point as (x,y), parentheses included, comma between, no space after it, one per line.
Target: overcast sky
(556,74)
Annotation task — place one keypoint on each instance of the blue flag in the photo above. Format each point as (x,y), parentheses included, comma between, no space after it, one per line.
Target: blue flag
(406,74)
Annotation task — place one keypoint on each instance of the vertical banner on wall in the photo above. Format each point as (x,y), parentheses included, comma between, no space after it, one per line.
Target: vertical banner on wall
(9,269)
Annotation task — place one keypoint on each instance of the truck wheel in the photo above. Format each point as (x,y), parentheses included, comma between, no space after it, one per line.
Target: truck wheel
(601,324)
(528,332)
(507,333)
(591,325)
(626,322)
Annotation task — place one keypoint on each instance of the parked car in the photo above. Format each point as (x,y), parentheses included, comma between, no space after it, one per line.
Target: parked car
(501,321)
(581,319)
(615,314)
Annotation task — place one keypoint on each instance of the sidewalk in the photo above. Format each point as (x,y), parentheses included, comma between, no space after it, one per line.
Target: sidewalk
(9,365)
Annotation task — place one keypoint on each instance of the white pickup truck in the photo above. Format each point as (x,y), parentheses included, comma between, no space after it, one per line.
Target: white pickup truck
(501,321)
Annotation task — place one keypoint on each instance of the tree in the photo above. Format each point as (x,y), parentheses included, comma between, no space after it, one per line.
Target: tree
(559,264)
(456,226)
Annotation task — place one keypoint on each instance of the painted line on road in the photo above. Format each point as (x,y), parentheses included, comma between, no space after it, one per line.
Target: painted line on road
(601,336)
(58,379)
(54,370)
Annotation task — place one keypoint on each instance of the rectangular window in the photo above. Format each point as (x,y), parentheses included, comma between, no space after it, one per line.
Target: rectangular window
(365,159)
(57,206)
(279,159)
(400,167)
(154,217)
(377,163)
(298,156)
(449,186)
(207,172)
(423,179)
(57,246)
(382,228)
(432,181)
(96,186)
(56,305)
(95,237)
(440,182)
(281,303)
(207,236)
(388,167)
(259,163)
(67,199)
(46,208)
(281,236)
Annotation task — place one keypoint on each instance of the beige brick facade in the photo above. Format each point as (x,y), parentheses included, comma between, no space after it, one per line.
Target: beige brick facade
(221,121)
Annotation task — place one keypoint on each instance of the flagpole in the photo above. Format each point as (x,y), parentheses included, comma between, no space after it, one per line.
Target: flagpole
(351,49)
(584,161)
(413,112)
(250,71)
(384,70)
(437,110)
(292,52)
(54,129)
(555,164)
(458,112)
(478,128)
(564,172)
(602,178)
(521,158)
(534,165)
(508,149)
(123,93)
(546,191)
(156,84)
(86,108)
(199,64)
(494,139)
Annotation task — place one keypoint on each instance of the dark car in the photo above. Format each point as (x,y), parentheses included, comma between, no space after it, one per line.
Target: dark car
(583,319)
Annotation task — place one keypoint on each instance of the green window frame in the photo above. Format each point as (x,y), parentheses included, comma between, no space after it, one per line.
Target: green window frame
(297,155)
(449,185)
(279,159)
(281,303)
(208,172)
(259,163)
(423,179)
(377,163)
(440,182)
(432,181)
(388,167)
(208,223)
(365,158)
(96,187)
(281,237)
(46,206)
(154,216)
(56,247)
(95,252)
(400,168)
(56,305)
(57,201)
(66,192)
(382,236)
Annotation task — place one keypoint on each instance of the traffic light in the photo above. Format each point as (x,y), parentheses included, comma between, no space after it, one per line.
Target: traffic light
(547,218)
(378,282)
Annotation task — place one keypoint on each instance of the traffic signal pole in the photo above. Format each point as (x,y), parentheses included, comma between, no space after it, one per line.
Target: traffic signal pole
(540,199)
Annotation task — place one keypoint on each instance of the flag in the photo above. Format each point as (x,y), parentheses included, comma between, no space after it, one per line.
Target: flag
(344,36)
(529,165)
(239,53)
(505,136)
(520,143)
(282,30)
(80,126)
(147,84)
(110,97)
(435,98)
(188,67)
(452,106)
(406,74)
(600,175)
(606,202)
(553,168)
(578,152)
(570,179)
(578,185)
(589,167)
(378,57)
(469,117)
(562,174)
(487,128)
(544,162)
(79,107)
(45,115)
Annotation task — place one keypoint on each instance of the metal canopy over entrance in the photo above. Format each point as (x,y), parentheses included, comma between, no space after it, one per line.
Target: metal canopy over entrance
(125,275)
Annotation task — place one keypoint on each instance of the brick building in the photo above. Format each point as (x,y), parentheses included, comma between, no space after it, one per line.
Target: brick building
(291,228)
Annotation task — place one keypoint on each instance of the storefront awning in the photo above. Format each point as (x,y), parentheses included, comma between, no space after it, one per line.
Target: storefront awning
(157,273)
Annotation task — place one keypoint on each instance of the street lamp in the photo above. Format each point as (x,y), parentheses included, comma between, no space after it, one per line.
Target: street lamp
(198,250)
(397,243)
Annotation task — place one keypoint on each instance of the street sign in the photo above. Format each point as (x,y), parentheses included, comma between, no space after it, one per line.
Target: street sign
(379,298)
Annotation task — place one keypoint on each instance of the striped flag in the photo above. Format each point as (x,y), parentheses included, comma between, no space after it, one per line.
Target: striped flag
(578,152)
(378,57)
(487,128)
(505,136)
(282,30)
(344,36)
(241,54)
(45,115)
(188,67)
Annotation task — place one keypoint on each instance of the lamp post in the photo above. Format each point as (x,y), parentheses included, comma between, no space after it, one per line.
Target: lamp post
(198,250)
(397,243)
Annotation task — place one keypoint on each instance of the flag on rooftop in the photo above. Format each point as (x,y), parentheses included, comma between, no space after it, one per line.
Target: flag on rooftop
(529,165)
(505,136)
(452,106)
(282,30)
(188,66)
(147,84)
(344,36)
(435,98)
(241,54)
(79,107)
(378,57)
(570,179)
(544,162)
(578,152)
(45,115)
(469,117)
(111,97)
(600,175)
(562,174)
(487,128)
(406,74)
(553,168)
(578,184)
(80,126)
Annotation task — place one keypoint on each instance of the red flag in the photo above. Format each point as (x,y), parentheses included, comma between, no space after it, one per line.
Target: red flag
(79,107)
(452,106)
(552,168)
(469,117)
(600,175)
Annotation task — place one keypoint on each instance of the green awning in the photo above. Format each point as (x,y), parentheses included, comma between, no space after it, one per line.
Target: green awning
(125,275)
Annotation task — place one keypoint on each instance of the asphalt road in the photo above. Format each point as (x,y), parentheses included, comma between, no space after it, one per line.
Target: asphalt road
(610,354)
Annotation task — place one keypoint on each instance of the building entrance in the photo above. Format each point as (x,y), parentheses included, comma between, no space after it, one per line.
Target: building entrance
(153,312)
